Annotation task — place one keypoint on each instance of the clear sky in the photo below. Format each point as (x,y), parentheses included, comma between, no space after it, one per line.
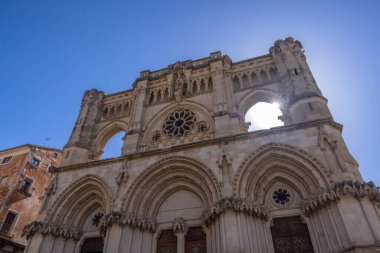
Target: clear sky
(52,51)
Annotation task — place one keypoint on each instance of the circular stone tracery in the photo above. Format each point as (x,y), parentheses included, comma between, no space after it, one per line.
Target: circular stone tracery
(179,123)
(281,196)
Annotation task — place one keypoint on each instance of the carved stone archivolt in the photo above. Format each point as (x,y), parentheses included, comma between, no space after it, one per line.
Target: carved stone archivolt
(326,196)
(275,161)
(67,232)
(235,204)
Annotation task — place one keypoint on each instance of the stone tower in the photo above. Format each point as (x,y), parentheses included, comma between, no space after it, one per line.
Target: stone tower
(191,178)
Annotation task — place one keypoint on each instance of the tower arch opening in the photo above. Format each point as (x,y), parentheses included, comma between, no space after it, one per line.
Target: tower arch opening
(263,115)
(113,147)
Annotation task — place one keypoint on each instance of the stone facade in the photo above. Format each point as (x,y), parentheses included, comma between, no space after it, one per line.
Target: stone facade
(191,178)
(24,176)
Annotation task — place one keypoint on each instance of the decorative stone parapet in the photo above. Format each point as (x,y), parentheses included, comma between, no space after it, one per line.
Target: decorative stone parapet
(67,232)
(236,204)
(325,196)
(126,219)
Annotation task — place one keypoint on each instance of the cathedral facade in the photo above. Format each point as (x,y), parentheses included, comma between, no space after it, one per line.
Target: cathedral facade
(192,178)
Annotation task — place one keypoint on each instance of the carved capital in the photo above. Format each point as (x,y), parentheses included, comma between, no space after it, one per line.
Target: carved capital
(179,225)
(326,196)
(237,205)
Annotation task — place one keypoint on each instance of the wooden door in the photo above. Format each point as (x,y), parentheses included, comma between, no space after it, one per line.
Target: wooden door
(195,241)
(291,236)
(167,242)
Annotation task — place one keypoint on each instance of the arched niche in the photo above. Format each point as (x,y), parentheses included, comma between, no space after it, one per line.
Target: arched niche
(165,181)
(104,135)
(279,163)
(256,96)
(180,203)
(204,124)
(81,199)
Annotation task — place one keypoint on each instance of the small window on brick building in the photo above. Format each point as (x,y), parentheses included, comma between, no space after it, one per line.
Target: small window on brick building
(35,161)
(55,155)
(49,169)
(6,160)
(25,185)
(8,223)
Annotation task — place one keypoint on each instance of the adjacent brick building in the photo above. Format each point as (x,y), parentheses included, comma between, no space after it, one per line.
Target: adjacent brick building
(24,176)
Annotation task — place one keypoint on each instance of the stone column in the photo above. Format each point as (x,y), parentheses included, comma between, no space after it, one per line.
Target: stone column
(180,230)
(113,239)
(69,246)
(34,243)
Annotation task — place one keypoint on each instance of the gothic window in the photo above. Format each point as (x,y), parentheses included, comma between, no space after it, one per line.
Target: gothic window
(179,123)
(159,95)
(166,93)
(105,112)
(151,99)
(118,110)
(290,235)
(210,84)
(264,77)
(195,87)
(254,78)
(203,85)
(236,83)
(245,81)
(96,219)
(184,89)
(281,196)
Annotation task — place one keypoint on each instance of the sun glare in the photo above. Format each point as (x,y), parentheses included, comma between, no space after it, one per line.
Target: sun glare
(263,116)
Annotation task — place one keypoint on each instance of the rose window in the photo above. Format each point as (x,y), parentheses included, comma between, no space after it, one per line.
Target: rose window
(179,123)
(281,196)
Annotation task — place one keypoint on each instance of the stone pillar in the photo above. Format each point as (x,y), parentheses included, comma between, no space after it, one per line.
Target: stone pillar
(230,232)
(69,246)
(47,244)
(223,98)
(34,243)
(131,139)
(59,245)
(78,148)
(113,239)
(180,230)
(180,242)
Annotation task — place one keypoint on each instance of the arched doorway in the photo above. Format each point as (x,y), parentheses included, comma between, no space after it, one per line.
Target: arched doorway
(290,235)
(92,245)
(263,115)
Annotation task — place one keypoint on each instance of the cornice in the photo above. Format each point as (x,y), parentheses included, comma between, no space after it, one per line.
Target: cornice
(325,196)
(68,232)
(215,141)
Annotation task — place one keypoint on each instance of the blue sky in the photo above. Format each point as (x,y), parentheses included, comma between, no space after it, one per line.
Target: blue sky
(52,51)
